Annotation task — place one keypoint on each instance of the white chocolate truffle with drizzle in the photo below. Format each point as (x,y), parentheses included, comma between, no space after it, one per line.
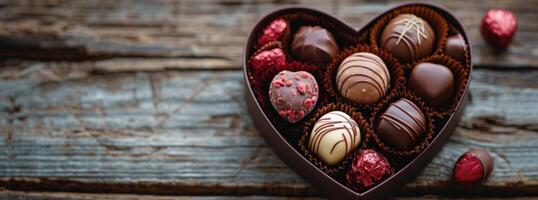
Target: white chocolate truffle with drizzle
(334,136)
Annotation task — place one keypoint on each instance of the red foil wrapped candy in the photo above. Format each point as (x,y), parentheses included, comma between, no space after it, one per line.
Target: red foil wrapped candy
(473,166)
(368,169)
(273,32)
(499,27)
(268,58)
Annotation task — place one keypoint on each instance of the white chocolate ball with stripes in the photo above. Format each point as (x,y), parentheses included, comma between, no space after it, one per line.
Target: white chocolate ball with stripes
(363,78)
(334,136)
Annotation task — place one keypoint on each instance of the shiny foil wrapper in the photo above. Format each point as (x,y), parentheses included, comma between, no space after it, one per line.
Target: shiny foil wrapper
(473,166)
(273,32)
(499,27)
(268,58)
(368,169)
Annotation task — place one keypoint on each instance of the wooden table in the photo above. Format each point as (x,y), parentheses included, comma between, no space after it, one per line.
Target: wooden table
(144,99)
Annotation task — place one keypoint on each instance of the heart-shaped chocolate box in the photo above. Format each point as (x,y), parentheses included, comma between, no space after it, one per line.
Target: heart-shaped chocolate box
(285,145)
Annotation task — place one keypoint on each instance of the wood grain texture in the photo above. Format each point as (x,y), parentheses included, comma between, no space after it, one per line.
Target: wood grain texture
(187,132)
(214,30)
(146,97)
(10,195)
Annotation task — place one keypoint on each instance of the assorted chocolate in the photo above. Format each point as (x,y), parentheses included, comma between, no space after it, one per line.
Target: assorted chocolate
(499,27)
(267,59)
(334,136)
(368,169)
(314,44)
(473,166)
(401,125)
(408,38)
(363,80)
(293,94)
(456,47)
(433,82)
(274,32)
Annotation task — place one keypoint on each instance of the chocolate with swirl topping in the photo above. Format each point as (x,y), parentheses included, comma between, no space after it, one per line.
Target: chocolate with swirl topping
(401,125)
(334,136)
(408,38)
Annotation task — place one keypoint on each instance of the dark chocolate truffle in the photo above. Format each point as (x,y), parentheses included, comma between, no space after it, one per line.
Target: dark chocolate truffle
(313,44)
(408,38)
(473,166)
(455,47)
(363,78)
(433,82)
(334,136)
(293,94)
(401,125)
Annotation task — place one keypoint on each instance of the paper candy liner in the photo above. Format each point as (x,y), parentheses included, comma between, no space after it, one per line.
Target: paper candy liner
(424,140)
(461,79)
(436,21)
(260,86)
(396,70)
(309,125)
(363,37)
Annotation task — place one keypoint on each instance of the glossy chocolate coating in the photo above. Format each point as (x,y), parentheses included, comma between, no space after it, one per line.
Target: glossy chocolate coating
(401,125)
(486,160)
(293,94)
(455,47)
(408,38)
(433,82)
(363,78)
(313,44)
(334,135)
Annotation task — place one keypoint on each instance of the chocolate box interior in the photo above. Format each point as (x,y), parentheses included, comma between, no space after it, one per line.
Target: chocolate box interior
(284,137)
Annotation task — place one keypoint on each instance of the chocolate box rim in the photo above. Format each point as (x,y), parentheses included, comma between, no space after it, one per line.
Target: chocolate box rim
(299,163)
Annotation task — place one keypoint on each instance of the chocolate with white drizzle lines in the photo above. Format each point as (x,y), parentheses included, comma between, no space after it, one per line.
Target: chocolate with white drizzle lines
(408,38)
(401,125)
(334,136)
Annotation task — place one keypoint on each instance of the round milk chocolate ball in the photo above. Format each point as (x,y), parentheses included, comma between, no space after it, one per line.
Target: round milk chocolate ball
(363,78)
(408,38)
(313,44)
(433,82)
(401,125)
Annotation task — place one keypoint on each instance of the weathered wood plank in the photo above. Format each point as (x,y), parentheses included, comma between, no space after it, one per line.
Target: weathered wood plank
(215,30)
(187,132)
(103,126)
(10,195)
